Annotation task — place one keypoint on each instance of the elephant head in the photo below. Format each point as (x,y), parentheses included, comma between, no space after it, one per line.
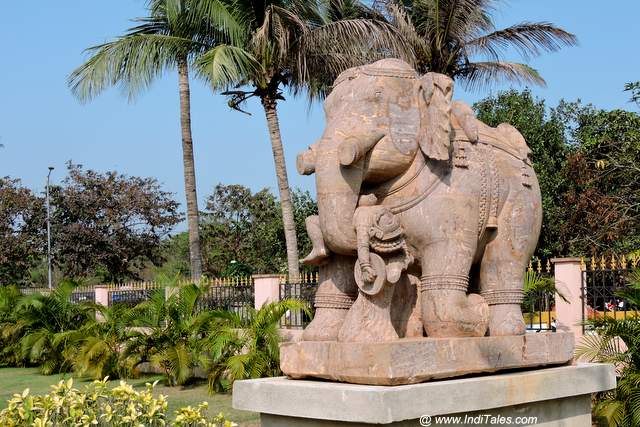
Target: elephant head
(379,117)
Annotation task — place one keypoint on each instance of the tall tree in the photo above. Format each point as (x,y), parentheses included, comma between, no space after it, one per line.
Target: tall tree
(458,38)
(21,231)
(300,44)
(168,39)
(545,134)
(244,229)
(600,203)
(109,224)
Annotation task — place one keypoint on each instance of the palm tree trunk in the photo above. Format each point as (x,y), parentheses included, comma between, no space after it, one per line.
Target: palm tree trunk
(290,237)
(189,170)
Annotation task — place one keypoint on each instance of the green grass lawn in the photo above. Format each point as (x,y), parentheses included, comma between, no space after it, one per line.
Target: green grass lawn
(15,380)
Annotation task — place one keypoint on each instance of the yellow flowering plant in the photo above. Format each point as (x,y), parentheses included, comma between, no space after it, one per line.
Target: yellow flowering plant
(98,405)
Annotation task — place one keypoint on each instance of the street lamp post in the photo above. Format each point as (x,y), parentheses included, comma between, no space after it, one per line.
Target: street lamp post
(49,232)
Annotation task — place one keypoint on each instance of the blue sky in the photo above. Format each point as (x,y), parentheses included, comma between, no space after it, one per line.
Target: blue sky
(41,124)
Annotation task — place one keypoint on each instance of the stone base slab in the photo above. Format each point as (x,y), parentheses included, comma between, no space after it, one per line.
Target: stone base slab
(415,360)
(550,397)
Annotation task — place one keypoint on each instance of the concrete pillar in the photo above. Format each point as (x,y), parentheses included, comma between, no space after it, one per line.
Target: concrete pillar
(568,281)
(102,295)
(266,289)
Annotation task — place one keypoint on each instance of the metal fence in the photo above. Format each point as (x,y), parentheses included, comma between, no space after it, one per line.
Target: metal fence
(235,295)
(32,291)
(131,294)
(83,294)
(602,280)
(538,307)
(78,295)
(303,289)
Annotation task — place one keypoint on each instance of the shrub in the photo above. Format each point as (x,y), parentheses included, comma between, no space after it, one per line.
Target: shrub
(617,341)
(97,405)
(246,347)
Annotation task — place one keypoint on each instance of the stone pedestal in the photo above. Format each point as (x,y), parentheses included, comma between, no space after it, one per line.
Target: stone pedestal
(414,360)
(551,397)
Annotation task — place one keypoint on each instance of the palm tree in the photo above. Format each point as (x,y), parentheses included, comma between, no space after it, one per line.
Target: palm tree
(300,44)
(617,342)
(458,38)
(166,40)
(242,347)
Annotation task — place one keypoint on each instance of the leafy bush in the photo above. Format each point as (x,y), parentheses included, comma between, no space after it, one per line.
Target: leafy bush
(99,344)
(39,328)
(617,342)
(97,405)
(171,332)
(246,347)
(174,331)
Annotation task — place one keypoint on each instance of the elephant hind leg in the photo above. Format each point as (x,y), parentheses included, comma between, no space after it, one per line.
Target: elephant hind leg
(503,267)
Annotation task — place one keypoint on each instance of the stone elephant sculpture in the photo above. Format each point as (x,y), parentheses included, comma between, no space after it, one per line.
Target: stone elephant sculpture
(427,217)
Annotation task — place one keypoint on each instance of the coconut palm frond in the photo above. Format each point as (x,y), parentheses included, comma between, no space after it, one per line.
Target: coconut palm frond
(324,52)
(225,66)
(447,36)
(529,39)
(226,24)
(131,62)
(481,74)
(405,27)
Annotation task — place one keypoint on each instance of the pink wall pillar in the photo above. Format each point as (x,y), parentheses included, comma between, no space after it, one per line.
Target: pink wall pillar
(266,289)
(568,281)
(102,295)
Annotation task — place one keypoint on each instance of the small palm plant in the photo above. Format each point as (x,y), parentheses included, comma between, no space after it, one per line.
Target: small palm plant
(246,347)
(99,344)
(618,342)
(46,324)
(10,328)
(171,332)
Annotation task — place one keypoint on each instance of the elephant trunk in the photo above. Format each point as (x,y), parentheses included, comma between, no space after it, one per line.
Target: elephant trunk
(338,189)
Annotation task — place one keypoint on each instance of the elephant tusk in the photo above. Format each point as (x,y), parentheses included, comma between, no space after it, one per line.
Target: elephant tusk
(353,148)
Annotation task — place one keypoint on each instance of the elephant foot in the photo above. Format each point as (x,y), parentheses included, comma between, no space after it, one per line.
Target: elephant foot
(318,256)
(453,313)
(369,319)
(325,325)
(334,297)
(506,320)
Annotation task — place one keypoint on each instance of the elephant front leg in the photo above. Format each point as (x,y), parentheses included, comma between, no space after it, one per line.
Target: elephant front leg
(447,309)
(336,293)
(369,319)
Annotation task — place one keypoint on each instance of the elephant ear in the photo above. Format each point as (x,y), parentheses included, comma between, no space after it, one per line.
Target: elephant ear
(434,99)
